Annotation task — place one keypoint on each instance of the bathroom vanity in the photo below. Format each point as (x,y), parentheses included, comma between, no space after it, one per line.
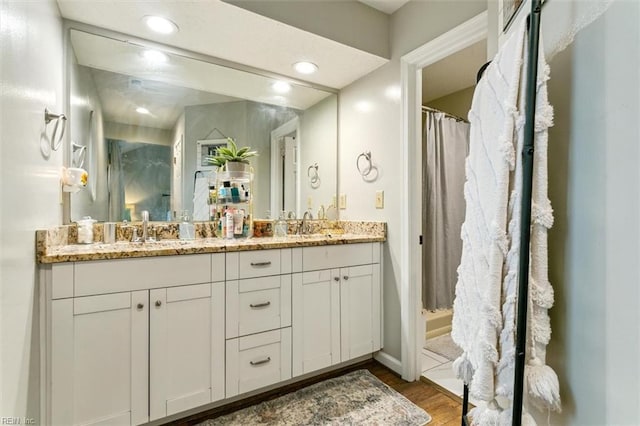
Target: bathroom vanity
(129,339)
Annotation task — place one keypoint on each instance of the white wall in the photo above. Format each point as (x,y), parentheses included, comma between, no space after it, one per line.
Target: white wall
(369,111)
(595,242)
(87,128)
(31,42)
(319,131)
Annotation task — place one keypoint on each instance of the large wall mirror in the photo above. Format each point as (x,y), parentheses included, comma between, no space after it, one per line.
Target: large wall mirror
(143,118)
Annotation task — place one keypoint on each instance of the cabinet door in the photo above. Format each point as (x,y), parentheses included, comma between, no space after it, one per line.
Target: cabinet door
(359,310)
(316,320)
(186,347)
(99,359)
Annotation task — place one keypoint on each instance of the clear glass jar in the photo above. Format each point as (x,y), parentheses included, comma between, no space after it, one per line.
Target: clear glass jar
(85,230)
(280,229)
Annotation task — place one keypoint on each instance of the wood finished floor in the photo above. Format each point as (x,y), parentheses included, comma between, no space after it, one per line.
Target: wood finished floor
(444,410)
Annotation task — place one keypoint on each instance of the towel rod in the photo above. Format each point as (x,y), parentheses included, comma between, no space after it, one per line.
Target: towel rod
(56,140)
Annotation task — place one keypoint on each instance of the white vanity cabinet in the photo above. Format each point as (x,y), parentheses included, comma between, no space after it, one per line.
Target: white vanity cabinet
(129,341)
(128,357)
(336,305)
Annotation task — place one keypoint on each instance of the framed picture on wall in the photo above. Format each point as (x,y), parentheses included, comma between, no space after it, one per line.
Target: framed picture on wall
(509,11)
(206,148)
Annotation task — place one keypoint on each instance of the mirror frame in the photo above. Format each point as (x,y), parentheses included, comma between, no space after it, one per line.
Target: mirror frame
(69,25)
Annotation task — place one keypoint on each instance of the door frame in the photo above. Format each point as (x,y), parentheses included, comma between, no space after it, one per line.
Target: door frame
(411,64)
(290,126)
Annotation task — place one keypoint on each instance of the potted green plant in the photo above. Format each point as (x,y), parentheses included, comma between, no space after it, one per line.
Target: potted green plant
(231,157)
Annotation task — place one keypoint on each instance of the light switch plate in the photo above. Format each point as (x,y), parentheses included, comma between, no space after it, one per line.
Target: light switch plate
(380,199)
(343,201)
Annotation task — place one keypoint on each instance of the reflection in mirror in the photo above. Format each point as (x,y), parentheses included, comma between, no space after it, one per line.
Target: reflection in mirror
(145,121)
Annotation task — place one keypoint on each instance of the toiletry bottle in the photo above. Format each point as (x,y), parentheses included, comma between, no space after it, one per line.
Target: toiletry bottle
(238,220)
(229,225)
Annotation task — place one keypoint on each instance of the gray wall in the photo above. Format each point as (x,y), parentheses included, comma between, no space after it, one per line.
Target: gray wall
(458,103)
(594,246)
(378,129)
(249,123)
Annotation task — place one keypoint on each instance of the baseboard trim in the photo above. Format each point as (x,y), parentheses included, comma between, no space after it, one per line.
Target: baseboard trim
(388,361)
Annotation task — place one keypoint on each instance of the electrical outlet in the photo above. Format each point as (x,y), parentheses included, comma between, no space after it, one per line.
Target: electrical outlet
(380,199)
(343,201)
(309,202)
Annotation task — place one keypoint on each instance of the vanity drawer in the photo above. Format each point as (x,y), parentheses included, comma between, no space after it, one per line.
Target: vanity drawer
(117,275)
(258,360)
(258,304)
(337,256)
(259,263)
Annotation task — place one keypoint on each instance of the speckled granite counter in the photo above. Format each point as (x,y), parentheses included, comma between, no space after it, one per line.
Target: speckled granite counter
(58,245)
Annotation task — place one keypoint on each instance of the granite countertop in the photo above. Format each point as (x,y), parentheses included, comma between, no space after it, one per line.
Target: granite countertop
(62,252)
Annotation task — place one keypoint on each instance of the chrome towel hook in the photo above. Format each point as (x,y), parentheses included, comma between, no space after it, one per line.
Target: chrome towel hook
(314,177)
(56,139)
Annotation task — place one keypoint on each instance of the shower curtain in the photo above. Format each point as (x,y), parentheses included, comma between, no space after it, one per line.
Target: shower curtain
(445,145)
(114,182)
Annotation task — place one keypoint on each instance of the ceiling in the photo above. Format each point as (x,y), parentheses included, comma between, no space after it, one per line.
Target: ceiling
(453,73)
(126,79)
(386,6)
(222,30)
(120,95)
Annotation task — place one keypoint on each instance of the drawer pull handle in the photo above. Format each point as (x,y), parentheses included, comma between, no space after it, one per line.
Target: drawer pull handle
(267,263)
(346,277)
(260,305)
(336,278)
(262,361)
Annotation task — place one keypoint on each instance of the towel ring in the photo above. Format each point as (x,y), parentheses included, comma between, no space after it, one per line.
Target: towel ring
(314,177)
(366,172)
(56,140)
(367,157)
(82,154)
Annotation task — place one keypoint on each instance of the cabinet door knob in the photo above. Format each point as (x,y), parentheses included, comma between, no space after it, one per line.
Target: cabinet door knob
(262,361)
(346,277)
(158,303)
(140,306)
(336,278)
(259,305)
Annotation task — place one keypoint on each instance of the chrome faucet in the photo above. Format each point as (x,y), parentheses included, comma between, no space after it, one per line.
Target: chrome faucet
(304,226)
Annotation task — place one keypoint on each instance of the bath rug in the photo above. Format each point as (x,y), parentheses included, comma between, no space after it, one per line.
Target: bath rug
(444,345)
(357,398)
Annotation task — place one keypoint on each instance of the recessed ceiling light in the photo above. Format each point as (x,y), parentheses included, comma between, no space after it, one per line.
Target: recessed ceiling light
(304,67)
(281,86)
(160,25)
(155,56)
(142,110)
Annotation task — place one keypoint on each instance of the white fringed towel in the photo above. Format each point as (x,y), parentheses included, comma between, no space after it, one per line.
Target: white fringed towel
(484,308)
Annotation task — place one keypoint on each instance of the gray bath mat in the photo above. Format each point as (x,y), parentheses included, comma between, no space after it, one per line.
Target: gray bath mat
(443,345)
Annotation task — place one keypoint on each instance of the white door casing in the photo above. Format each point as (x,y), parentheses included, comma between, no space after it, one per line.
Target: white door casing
(411,64)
